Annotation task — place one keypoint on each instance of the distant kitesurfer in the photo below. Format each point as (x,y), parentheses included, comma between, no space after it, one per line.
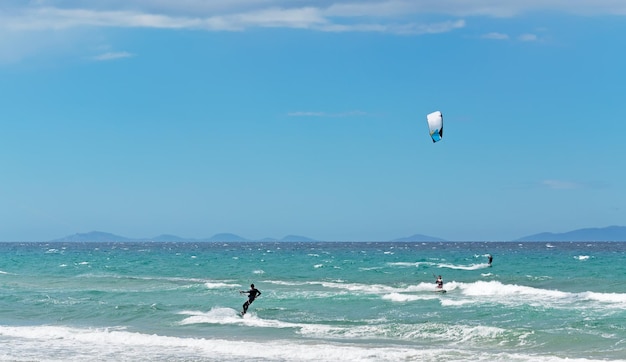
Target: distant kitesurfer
(439,282)
(252,294)
(490,259)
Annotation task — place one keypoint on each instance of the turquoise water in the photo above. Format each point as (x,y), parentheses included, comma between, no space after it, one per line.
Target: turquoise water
(320,302)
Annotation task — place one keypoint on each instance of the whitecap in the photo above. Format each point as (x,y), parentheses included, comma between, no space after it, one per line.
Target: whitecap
(219,285)
(401,297)
(465,267)
(77,344)
(411,264)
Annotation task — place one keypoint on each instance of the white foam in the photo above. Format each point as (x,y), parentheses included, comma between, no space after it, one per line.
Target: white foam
(72,344)
(370,268)
(430,287)
(465,267)
(401,297)
(456,302)
(220,285)
(512,294)
(495,288)
(61,343)
(356,287)
(281,282)
(582,257)
(411,264)
(372,289)
(221,315)
(614,298)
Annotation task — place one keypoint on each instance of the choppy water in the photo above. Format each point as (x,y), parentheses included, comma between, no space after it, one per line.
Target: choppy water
(320,301)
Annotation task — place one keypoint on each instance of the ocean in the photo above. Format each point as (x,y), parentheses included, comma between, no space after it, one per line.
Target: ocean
(326,301)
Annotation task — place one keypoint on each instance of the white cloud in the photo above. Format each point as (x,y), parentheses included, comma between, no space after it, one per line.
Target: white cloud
(496,36)
(112,56)
(390,16)
(527,37)
(49,18)
(66,18)
(331,8)
(400,29)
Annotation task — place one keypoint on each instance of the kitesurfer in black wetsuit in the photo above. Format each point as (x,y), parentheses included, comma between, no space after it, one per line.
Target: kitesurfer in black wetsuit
(252,294)
(439,283)
(490,259)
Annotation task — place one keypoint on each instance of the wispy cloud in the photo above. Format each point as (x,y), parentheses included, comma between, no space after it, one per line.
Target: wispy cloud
(112,56)
(312,18)
(327,114)
(389,16)
(46,20)
(495,36)
(561,185)
(528,37)
(464,8)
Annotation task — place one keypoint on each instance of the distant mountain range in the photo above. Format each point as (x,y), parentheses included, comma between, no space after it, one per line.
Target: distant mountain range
(99,236)
(418,237)
(610,233)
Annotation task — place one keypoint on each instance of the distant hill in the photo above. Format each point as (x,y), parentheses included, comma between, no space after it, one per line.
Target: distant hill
(609,233)
(226,237)
(98,236)
(170,238)
(268,240)
(93,236)
(418,237)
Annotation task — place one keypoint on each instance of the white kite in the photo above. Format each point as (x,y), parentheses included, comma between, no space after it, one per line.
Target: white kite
(435,125)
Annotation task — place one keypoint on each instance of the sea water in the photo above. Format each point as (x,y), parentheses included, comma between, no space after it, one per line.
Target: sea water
(357,301)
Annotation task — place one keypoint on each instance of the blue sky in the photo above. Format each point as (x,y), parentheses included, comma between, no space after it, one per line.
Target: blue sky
(269,118)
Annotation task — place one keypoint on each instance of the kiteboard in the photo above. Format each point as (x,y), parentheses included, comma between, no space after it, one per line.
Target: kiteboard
(439,291)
